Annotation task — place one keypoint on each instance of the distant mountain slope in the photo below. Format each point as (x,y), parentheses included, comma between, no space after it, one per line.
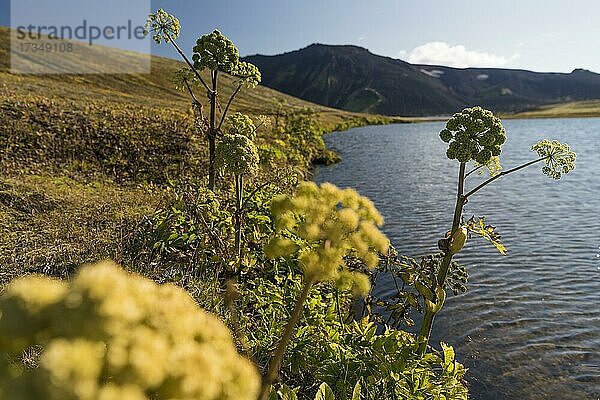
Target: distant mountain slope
(146,90)
(352,78)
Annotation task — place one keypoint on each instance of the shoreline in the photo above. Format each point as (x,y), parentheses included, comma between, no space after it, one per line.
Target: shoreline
(524,115)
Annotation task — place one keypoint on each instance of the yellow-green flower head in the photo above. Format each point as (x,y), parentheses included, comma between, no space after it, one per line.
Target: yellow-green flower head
(247,74)
(182,76)
(559,157)
(328,224)
(163,26)
(241,124)
(473,134)
(214,51)
(237,154)
(264,121)
(111,335)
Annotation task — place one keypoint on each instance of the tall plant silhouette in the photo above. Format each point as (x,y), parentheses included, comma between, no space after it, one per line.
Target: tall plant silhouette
(238,155)
(216,54)
(477,135)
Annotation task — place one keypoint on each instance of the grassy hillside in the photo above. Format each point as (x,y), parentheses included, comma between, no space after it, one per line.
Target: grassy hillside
(85,157)
(145,90)
(578,109)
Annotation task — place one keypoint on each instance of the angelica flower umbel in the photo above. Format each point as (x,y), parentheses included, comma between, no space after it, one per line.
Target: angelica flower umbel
(473,134)
(323,224)
(214,51)
(163,26)
(241,124)
(113,335)
(237,154)
(559,159)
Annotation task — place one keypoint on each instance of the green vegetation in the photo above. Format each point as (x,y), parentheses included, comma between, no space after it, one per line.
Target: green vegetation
(220,207)
(94,171)
(85,157)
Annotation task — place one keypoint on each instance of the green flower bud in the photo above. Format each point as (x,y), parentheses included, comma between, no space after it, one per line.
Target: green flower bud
(483,156)
(214,51)
(446,135)
(241,124)
(471,133)
(237,154)
(247,74)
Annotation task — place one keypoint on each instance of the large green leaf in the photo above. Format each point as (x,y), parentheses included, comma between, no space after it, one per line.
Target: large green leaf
(324,392)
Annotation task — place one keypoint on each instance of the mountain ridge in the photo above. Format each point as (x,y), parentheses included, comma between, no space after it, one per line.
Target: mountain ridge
(352,78)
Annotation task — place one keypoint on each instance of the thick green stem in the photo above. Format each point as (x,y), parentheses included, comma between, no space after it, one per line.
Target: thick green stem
(461,200)
(212,134)
(425,331)
(427,324)
(239,193)
(275,363)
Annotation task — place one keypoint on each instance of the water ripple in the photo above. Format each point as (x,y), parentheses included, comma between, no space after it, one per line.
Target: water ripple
(529,327)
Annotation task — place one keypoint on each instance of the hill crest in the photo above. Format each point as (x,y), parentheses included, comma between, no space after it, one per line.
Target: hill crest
(352,78)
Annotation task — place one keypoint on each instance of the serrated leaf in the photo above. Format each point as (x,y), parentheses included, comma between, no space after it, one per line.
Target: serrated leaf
(487,232)
(448,355)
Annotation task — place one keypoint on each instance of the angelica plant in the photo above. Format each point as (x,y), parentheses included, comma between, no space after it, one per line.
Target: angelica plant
(319,226)
(217,54)
(238,155)
(476,135)
(112,335)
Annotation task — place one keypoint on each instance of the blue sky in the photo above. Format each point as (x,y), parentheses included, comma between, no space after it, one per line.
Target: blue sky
(549,35)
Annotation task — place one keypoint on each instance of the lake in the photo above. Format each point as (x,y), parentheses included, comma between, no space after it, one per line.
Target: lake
(529,326)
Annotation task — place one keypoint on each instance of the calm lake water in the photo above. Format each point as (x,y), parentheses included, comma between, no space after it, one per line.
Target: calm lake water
(529,326)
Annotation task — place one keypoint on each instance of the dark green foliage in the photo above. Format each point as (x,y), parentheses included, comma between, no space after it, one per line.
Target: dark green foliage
(129,144)
(301,133)
(194,237)
(331,347)
(413,282)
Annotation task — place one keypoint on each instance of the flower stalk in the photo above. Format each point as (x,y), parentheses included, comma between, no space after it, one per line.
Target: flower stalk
(286,337)
(477,135)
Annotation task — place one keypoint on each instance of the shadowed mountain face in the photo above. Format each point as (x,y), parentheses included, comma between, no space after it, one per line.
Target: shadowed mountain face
(352,78)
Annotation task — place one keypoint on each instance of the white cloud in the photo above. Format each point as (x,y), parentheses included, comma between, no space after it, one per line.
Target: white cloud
(441,53)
